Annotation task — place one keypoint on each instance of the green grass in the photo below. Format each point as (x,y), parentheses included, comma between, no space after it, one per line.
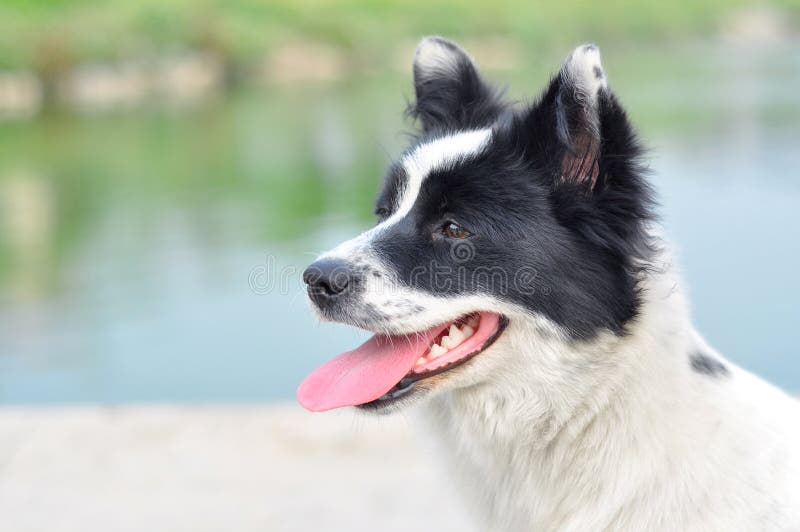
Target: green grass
(48,36)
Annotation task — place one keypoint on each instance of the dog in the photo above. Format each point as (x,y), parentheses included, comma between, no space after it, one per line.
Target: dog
(524,300)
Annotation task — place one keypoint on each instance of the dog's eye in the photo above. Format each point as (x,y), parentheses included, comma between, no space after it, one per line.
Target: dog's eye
(382,213)
(453,230)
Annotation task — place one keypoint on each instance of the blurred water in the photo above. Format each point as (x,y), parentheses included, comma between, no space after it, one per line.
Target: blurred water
(155,255)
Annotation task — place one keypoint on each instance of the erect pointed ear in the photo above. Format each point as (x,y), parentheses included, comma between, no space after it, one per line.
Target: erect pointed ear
(450,93)
(569,119)
(578,138)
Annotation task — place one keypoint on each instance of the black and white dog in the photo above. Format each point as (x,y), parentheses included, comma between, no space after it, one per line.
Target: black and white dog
(520,293)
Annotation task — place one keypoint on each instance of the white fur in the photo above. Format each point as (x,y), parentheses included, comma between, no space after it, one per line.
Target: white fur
(579,69)
(620,433)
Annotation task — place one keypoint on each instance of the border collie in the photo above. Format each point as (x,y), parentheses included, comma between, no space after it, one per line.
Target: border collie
(521,296)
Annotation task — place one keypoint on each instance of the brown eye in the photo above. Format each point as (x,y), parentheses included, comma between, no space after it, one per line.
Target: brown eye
(453,230)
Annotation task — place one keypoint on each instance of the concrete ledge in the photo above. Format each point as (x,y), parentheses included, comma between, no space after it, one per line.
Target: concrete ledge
(216,468)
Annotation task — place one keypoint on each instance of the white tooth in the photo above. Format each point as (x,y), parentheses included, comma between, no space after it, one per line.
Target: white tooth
(421,361)
(456,334)
(467,331)
(437,350)
(449,342)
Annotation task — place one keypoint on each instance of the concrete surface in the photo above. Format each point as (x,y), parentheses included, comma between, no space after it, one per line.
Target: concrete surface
(217,468)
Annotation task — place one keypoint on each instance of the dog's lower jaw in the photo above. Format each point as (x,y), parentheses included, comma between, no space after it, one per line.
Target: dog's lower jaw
(623,434)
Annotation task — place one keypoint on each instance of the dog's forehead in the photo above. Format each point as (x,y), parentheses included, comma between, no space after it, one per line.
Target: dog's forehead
(407,176)
(423,159)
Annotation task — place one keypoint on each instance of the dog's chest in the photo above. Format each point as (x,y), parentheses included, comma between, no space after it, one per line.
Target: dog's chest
(511,483)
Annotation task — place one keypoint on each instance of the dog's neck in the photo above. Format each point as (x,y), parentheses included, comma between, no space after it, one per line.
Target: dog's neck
(558,420)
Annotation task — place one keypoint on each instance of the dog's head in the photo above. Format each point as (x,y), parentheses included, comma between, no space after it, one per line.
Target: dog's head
(501,223)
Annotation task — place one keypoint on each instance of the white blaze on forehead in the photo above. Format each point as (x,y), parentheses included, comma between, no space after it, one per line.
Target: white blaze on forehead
(418,164)
(438,153)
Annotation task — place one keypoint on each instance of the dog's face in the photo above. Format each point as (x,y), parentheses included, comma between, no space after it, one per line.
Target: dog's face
(500,222)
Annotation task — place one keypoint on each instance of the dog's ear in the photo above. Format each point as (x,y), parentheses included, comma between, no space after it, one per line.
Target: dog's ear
(577,131)
(566,125)
(579,139)
(450,93)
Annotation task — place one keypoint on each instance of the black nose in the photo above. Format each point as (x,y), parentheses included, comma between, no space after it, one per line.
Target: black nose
(327,279)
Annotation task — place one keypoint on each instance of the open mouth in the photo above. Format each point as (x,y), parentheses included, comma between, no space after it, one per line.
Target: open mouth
(386,368)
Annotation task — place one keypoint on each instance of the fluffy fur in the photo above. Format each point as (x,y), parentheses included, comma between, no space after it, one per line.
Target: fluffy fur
(599,407)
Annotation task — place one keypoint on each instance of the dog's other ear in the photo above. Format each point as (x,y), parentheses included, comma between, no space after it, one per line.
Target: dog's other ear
(578,136)
(578,131)
(450,93)
(568,120)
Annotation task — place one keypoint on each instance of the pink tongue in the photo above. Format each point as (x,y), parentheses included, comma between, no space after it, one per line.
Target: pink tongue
(364,374)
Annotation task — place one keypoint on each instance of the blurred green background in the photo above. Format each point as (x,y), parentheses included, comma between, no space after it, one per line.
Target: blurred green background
(168,168)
